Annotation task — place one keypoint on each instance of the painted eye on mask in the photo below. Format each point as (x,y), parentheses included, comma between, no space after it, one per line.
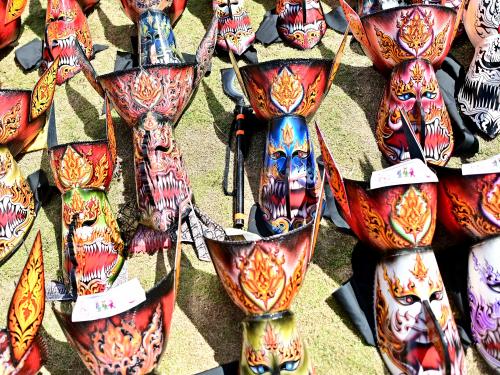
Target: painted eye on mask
(278,155)
(89,223)
(289,366)
(406,96)
(408,300)
(301,154)
(429,95)
(494,286)
(260,369)
(436,296)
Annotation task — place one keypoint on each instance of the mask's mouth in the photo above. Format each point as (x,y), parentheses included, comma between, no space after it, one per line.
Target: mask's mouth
(68,62)
(437,142)
(96,257)
(437,147)
(422,357)
(12,216)
(274,198)
(491,343)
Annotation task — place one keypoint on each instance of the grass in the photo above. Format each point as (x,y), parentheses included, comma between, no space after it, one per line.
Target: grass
(205,328)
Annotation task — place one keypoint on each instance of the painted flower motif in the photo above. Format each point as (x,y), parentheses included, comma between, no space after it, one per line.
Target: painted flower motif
(75,169)
(262,277)
(411,216)
(147,90)
(287,91)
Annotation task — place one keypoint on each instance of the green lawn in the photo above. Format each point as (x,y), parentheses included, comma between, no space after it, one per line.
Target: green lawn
(205,327)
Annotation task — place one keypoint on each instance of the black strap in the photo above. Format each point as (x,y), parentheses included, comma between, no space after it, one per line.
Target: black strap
(267,32)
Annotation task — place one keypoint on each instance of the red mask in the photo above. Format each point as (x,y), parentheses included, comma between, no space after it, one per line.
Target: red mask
(10,21)
(93,248)
(21,349)
(22,115)
(414,87)
(65,25)
(132,341)
(301,23)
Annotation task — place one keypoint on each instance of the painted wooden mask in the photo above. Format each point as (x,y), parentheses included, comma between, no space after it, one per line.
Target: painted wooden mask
(132,341)
(65,25)
(301,23)
(285,92)
(272,345)
(234,25)
(156,39)
(484,298)
(93,249)
(416,332)
(413,87)
(22,115)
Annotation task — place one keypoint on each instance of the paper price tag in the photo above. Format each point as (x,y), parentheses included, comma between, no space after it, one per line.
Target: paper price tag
(491,165)
(409,172)
(114,301)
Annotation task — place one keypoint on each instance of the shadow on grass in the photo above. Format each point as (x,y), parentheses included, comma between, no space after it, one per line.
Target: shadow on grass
(72,363)
(87,113)
(36,18)
(119,36)
(206,304)
(255,140)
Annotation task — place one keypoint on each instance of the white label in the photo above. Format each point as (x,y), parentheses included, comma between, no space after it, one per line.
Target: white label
(413,171)
(114,301)
(491,165)
(238,234)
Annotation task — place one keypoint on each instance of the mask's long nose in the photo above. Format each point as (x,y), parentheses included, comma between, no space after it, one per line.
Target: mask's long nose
(229,8)
(420,119)
(436,336)
(304,11)
(287,186)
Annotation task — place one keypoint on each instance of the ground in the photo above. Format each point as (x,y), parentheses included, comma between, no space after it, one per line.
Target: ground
(205,327)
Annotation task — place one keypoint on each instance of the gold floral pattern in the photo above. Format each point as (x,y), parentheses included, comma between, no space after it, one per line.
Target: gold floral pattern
(14,10)
(28,303)
(43,92)
(9,122)
(286,90)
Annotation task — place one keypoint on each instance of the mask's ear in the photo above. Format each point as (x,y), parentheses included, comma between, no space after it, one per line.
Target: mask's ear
(14,9)
(206,50)
(357,29)
(317,219)
(338,58)
(44,90)
(334,177)
(110,131)
(28,304)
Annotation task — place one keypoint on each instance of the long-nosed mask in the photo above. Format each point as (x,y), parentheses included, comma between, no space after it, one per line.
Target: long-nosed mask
(272,345)
(22,116)
(234,25)
(93,249)
(156,39)
(133,341)
(411,41)
(285,92)
(151,99)
(10,21)
(301,23)
(65,25)
(478,96)
(415,328)
(414,88)
(484,298)
(21,349)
